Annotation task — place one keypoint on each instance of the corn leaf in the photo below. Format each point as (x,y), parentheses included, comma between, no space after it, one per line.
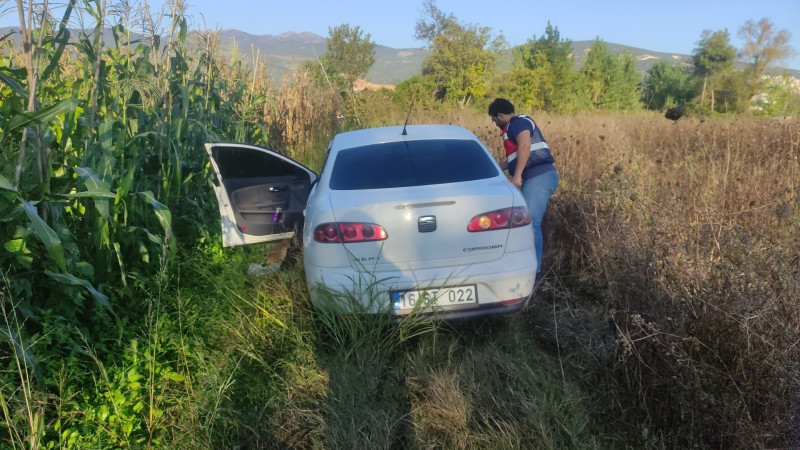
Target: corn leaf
(164,218)
(100,192)
(62,39)
(162,212)
(90,194)
(40,116)
(5,36)
(9,77)
(20,348)
(96,188)
(118,250)
(5,184)
(105,135)
(46,234)
(15,245)
(68,278)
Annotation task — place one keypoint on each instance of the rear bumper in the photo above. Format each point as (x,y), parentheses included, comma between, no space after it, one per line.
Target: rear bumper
(351,292)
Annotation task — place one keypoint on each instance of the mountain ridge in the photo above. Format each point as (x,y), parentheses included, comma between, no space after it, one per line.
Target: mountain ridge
(281,53)
(394,65)
(285,51)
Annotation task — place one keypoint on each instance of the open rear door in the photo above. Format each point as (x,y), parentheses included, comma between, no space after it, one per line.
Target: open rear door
(261,193)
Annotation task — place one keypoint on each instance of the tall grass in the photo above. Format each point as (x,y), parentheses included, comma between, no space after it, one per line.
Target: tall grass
(687,234)
(673,271)
(332,382)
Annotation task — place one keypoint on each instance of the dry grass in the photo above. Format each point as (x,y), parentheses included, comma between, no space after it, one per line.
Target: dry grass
(298,114)
(684,238)
(490,385)
(667,316)
(688,234)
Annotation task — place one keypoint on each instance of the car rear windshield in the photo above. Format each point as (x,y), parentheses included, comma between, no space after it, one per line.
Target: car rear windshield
(410,163)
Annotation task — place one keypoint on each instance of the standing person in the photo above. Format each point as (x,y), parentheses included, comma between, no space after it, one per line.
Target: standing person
(529,161)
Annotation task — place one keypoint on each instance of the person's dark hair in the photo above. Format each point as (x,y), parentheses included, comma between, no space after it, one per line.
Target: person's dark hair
(500,106)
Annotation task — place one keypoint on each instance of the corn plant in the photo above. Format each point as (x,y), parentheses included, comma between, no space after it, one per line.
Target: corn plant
(102,178)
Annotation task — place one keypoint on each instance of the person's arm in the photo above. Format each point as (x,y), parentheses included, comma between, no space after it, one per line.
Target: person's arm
(523,154)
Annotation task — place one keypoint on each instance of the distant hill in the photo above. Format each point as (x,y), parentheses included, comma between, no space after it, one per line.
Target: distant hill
(644,58)
(283,52)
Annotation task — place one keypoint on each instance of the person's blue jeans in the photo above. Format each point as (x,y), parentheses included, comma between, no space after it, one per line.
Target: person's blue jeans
(537,192)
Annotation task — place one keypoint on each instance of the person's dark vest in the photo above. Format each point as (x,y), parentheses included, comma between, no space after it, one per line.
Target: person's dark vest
(540,161)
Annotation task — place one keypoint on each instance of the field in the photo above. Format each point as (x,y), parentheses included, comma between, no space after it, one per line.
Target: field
(667,315)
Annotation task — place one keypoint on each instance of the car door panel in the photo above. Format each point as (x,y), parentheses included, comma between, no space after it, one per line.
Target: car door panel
(273,207)
(261,193)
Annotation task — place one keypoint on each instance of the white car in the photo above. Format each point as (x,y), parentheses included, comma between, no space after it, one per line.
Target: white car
(401,220)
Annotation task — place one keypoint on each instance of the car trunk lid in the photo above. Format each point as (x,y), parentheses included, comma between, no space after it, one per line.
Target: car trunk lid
(426,225)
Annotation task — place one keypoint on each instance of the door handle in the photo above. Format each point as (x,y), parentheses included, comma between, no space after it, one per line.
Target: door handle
(276,189)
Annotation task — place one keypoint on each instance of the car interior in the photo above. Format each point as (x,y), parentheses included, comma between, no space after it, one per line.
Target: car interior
(267,194)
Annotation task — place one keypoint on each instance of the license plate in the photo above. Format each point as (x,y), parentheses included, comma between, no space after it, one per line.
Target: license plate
(447,297)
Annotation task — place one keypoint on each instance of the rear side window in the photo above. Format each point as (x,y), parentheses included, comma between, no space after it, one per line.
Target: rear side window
(410,163)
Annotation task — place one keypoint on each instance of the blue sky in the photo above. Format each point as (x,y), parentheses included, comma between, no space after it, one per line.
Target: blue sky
(670,26)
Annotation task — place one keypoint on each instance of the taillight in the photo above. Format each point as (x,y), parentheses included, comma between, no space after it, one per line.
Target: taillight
(333,232)
(500,219)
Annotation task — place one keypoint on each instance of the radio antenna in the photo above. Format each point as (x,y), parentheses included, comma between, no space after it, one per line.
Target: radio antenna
(407,116)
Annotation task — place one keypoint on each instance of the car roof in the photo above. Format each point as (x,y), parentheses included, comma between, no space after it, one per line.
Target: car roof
(370,136)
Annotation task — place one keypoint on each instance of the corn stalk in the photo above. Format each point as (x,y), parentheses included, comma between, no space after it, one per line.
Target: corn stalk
(32,66)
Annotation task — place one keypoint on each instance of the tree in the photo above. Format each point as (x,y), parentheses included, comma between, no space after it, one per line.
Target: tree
(612,80)
(420,89)
(712,60)
(781,97)
(462,57)
(440,23)
(349,56)
(549,47)
(764,45)
(624,91)
(666,84)
(544,75)
(597,69)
